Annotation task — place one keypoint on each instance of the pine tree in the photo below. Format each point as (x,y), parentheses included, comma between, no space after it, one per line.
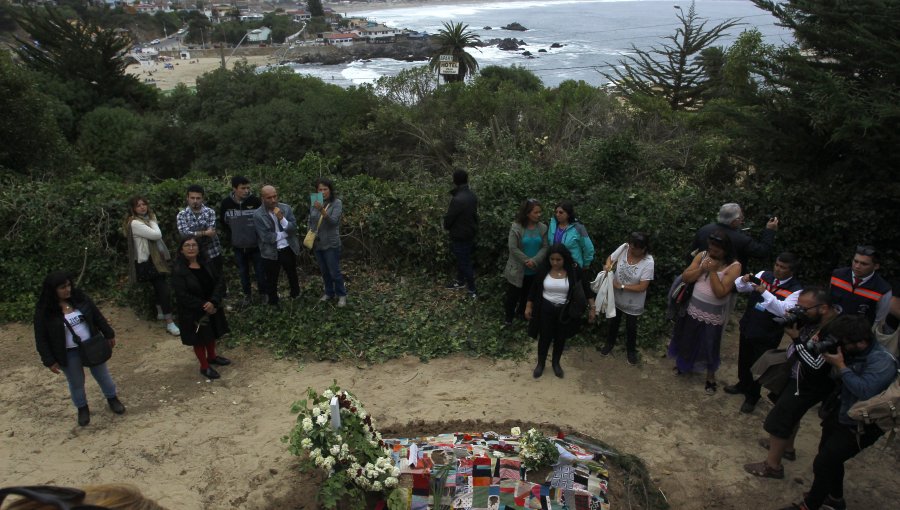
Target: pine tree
(315,8)
(835,96)
(673,71)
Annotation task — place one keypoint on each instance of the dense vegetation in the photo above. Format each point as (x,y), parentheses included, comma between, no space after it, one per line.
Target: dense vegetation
(808,138)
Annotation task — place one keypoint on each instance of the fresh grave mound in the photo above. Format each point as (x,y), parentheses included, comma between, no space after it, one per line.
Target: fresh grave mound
(475,470)
(336,438)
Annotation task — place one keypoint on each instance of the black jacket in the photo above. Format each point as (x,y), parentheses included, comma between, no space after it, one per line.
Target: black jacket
(744,245)
(573,310)
(50,330)
(190,298)
(461,219)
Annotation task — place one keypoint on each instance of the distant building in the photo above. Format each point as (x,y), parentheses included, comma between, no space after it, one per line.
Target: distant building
(259,35)
(338,38)
(299,15)
(378,34)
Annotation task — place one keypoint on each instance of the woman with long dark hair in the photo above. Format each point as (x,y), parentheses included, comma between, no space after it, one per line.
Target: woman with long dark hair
(61,312)
(527,244)
(148,256)
(198,292)
(567,229)
(633,267)
(697,337)
(325,220)
(555,306)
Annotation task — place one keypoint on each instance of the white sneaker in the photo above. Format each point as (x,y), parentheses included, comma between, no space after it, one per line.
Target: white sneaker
(324,298)
(173,329)
(342,301)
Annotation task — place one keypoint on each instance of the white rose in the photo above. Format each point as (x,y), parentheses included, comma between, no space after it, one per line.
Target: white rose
(376,486)
(328,394)
(516,431)
(306,443)
(335,450)
(316,411)
(345,448)
(395,472)
(321,419)
(307,424)
(390,482)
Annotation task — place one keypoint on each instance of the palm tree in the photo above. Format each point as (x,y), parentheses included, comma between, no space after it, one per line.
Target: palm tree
(454,38)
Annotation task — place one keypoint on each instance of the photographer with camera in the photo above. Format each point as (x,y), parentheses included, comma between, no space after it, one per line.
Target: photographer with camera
(760,331)
(866,369)
(809,383)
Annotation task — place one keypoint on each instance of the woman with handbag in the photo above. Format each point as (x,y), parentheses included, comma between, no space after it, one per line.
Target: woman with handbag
(68,331)
(697,337)
(198,292)
(325,223)
(527,242)
(633,267)
(555,306)
(148,257)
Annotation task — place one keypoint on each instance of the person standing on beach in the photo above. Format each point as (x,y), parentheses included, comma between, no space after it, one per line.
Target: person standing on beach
(199,221)
(461,221)
(237,215)
(276,228)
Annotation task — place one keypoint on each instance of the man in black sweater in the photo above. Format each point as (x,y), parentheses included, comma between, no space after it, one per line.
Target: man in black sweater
(730,219)
(461,221)
(237,215)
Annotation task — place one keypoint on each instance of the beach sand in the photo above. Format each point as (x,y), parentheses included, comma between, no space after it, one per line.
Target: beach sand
(187,71)
(192,444)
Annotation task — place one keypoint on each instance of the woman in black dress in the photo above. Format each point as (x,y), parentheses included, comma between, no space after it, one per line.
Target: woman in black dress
(201,318)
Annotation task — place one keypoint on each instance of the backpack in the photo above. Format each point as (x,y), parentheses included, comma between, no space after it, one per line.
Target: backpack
(880,409)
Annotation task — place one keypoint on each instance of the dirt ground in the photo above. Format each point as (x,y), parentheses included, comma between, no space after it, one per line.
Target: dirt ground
(194,444)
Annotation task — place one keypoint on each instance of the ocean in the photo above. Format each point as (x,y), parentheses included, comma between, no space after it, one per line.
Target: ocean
(594,33)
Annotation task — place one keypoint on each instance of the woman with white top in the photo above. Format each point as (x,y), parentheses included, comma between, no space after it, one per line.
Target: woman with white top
(633,266)
(148,257)
(555,306)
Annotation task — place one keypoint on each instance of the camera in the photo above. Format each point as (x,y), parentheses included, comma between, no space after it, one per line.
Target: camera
(754,280)
(829,345)
(792,316)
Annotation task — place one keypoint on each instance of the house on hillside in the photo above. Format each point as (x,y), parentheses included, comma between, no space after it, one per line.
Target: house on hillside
(378,34)
(338,38)
(299,15)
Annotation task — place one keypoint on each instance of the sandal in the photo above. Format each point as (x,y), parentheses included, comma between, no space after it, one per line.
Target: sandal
(788,455)
(710,387)
(763,470)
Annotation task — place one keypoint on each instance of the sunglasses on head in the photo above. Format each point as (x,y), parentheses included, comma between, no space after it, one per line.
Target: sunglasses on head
(714,237)
(63,498)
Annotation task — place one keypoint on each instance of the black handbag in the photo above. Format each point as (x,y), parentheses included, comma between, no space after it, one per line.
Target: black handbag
(94,351)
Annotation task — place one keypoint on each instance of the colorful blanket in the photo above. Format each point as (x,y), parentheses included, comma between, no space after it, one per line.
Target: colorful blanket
(481,471)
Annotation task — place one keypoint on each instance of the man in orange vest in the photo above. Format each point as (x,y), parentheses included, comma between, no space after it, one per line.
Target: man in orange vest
(859,290)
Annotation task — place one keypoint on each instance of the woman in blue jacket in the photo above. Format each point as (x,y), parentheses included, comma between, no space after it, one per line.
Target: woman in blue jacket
(565,229)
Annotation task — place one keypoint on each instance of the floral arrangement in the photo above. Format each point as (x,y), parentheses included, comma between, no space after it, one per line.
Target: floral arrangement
(353,457)
(536,450)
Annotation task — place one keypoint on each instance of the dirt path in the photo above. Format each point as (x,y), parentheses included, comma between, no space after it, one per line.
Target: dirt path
(192,444)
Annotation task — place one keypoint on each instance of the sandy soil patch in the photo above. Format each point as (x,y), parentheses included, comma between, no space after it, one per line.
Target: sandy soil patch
(187,71)
(193,444)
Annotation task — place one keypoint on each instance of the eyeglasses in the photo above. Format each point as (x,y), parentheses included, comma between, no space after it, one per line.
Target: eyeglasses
(806,309)
(63,498)
(866,250)
(714,237)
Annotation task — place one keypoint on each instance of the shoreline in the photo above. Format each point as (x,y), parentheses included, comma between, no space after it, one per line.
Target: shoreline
(357,7)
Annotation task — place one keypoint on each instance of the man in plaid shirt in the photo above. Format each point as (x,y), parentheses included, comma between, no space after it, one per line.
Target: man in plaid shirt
(200,221)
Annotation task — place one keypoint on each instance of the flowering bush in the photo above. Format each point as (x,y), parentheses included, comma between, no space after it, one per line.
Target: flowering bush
(536,450)
(353,456)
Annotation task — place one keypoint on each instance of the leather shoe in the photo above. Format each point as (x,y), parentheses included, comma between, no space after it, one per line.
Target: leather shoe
(84,416)
(733,389)
(538,370)
(209,373)
(747,407)
(220,360)
(557,370)
(116,406)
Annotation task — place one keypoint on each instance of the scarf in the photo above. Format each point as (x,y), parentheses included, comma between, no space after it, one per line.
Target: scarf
(160,255)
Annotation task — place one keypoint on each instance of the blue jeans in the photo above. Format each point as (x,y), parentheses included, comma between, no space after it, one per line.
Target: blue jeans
(330,266)
(465,272)
(243,257)
(75,375)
